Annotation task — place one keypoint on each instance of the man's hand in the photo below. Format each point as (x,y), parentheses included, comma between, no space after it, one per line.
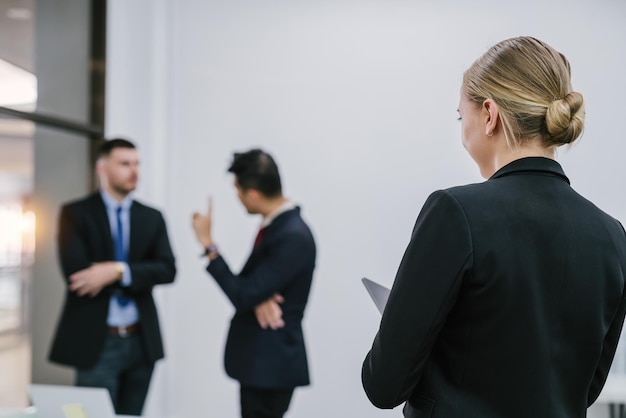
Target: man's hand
(92,280)
(202,226)
(269,314)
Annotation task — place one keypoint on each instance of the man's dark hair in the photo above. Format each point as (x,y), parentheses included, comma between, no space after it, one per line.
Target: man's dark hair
(256,169)
(108,146)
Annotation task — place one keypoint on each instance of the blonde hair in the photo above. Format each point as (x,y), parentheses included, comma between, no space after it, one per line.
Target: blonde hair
(530,83)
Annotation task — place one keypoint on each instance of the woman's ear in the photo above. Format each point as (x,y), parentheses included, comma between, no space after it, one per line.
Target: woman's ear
(490,114)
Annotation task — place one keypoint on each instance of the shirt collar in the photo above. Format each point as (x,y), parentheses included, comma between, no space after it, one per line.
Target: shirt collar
(111,203)
(284,207)
(539,165)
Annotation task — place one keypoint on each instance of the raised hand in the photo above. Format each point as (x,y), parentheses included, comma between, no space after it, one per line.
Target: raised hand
(202,225)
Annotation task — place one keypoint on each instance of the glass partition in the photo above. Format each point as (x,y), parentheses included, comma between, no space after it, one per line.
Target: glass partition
(18,91)
(49,116)
(17,223)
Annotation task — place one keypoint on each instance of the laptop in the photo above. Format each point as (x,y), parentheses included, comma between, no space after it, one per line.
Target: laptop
(378,293)
(53,401)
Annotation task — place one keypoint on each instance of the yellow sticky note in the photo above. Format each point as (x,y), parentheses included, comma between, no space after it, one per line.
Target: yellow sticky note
(74,411)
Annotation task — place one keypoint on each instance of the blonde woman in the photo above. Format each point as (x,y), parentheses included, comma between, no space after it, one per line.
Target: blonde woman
(509,299)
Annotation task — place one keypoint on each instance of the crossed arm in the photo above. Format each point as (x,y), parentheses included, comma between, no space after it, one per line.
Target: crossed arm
(268,312)
(84,277)
(88,278)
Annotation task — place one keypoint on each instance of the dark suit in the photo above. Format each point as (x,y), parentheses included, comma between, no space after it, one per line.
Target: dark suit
(85,238)
(283,263)
(508,302)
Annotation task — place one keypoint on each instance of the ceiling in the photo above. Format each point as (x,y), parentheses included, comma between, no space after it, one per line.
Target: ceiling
(17,23)
(18,84)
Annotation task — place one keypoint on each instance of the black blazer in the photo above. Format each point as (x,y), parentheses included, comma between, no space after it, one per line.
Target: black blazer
(508,302)
(84,238)
(282,263)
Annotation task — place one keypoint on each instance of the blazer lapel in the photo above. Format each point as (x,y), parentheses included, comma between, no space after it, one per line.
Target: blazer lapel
(135,231)
(268,232)
(252,259)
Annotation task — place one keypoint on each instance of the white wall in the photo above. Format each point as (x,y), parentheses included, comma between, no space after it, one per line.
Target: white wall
(357,101)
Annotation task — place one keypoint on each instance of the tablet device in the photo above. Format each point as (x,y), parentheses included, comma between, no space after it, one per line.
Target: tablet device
(379,293)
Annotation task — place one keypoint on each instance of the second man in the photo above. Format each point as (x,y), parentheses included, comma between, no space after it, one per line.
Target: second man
(265,349)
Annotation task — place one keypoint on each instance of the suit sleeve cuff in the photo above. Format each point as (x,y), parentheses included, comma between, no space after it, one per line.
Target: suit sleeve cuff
(127,278)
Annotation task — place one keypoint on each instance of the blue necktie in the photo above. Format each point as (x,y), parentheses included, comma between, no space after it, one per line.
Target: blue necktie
(119,253)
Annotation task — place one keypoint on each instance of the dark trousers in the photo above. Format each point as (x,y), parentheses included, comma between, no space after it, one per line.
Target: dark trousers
(123,370)
(264,403)
(617,410)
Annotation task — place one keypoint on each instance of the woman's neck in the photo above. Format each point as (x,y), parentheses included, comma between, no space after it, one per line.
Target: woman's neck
(506,154)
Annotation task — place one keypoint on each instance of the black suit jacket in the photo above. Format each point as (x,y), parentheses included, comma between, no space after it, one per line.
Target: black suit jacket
(282,263)
(84,238)
(508,302)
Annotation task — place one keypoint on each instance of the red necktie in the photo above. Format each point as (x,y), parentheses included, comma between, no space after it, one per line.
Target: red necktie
(259,235)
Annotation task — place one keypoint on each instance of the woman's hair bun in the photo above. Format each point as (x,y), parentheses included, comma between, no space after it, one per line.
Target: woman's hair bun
(565,119)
